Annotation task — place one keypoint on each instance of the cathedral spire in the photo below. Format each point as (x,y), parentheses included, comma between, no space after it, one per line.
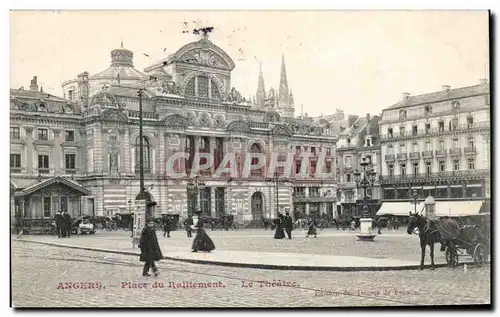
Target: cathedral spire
(283,80)
(261,89)
(283,92)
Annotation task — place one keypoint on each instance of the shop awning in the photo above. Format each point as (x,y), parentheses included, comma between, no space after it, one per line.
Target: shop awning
(458,208)
(399,208)
(443,208)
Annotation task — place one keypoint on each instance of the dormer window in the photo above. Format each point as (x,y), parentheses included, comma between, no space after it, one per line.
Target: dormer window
(368,142)
(428,110)
(389,132)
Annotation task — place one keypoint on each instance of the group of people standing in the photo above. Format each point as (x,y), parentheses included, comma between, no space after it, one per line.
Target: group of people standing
(285,224)
(63,224)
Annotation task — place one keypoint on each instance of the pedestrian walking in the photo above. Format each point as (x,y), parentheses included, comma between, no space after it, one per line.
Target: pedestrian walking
(280,233)
(150,250)
(167,222)
(66,225)
(311,228)
(288,224)
(58,218)
(187,224)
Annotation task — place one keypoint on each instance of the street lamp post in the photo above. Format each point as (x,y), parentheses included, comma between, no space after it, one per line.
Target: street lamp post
(365,180)
(276,180)
(415,200)
(193,186)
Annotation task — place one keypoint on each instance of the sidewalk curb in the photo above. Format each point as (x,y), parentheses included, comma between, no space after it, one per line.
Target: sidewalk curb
(250,265)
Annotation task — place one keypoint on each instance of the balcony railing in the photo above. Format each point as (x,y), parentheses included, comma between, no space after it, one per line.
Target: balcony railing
(440,153)
(455,152)
(43,170)
(414,155)
(402,156)
(389,157)
(469,150)
(145,115)
(15,169)
(435,175)
(422,132)
(427,154)
(259,125)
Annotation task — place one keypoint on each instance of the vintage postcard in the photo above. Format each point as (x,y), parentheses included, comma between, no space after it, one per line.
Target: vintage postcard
(221,159)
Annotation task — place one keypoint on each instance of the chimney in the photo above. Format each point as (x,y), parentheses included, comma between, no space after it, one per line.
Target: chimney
(367,118)
(483,81)
(34,84)
(406,95)
(445,87)
(351,119)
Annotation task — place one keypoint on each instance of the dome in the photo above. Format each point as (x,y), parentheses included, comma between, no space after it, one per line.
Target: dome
(122,67)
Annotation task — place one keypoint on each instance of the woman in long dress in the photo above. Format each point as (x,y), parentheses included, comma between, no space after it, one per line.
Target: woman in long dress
(150,250)
(202,241)
(311,228)
(280,232)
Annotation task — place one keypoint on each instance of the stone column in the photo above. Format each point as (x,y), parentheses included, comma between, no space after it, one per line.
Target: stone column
(464,190)
(448,191)
(307,209)
(81,152)
(29,152)
(306,192)
(212,202)
(196,151)
(212,145)
(105,159)
(122,167)
(182,148)
(57,162)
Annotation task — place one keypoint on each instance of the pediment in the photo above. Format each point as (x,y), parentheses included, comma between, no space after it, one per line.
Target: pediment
(176,120)
(239,125)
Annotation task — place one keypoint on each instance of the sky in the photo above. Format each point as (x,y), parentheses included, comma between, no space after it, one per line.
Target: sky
(358,61)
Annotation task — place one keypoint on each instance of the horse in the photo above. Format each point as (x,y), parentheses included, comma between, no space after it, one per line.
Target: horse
(430,234)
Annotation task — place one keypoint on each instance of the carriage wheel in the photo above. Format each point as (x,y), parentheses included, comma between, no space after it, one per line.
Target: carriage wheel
(479,254)
(451,256)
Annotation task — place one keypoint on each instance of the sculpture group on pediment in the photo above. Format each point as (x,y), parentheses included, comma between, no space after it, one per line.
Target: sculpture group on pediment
(235,96)
(203,57)
(68,108)
(170,87)
(25,106)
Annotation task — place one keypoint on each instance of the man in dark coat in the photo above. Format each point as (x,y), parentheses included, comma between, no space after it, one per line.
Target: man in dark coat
(66,225)
(288,224)
(150,250)
(58,218)
(187,224)
(167,223)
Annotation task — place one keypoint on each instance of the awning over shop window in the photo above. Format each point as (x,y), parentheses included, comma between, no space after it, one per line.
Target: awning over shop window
(399,208)
(443,208)
(458,208)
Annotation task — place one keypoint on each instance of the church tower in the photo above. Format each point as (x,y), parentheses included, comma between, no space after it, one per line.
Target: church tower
(285,97)
(261,89)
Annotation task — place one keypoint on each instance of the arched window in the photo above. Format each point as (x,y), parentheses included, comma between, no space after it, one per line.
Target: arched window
(202,87)
(255,148)
(146,154)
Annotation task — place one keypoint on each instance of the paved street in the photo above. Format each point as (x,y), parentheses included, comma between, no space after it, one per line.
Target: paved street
(390,245)
(38,270)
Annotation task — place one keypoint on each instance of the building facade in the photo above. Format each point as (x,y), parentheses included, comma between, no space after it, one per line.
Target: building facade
(437,144)
(358,138)
(89,141)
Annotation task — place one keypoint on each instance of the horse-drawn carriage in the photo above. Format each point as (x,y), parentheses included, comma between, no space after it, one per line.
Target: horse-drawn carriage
(473,240)
(225,222)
